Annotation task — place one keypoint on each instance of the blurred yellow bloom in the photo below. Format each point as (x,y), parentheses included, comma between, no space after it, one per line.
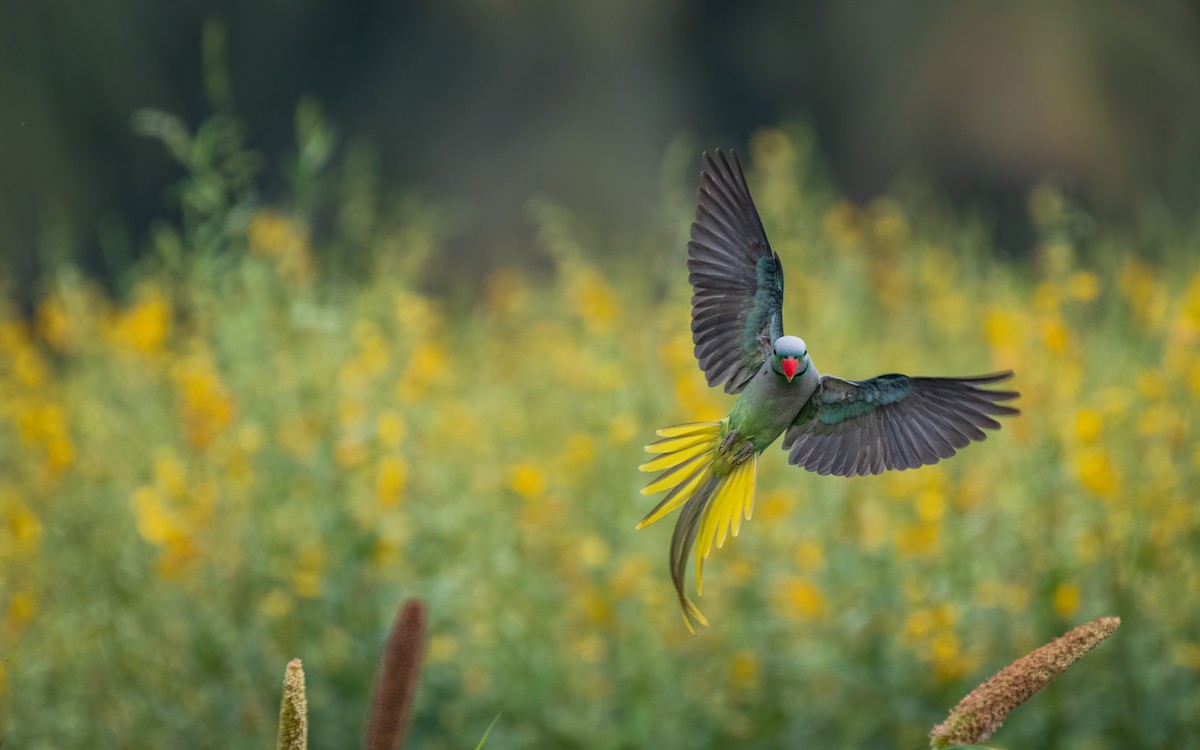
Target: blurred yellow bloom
(593,300)
(350,452)
(54,324)
(949,663)
(622,429)
(578,453)
(154,522)
(24,527)
(308,570)
(1066,600)
(800,597)
(390,480)
(931,505)
(593,551)
(21,609)
(919,625)
(1088,424)
(144,326)
(443,648)
(888,224)
(809,557)
(1139,282)
(206,406)
(1055,335)
(277,604)
(1003,328)
(843,224)
(170,477)
(630,576)
(250,438)
(527,480)
(507,292)
(298,435)
(283,241)
(29,368)
(428,365)
(1095,471)
(774,505)
(1083,286)
(918,540)
(390,429)
(743,670)
(419,317)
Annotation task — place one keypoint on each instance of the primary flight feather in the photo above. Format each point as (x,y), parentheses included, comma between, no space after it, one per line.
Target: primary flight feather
(829,425)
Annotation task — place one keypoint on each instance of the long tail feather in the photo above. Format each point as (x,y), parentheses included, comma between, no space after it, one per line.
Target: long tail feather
(714,497)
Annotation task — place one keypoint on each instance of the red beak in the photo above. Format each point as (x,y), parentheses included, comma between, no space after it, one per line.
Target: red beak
(790,365)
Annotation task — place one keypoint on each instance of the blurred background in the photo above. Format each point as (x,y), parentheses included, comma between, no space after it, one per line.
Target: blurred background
(480,105)
(307,308)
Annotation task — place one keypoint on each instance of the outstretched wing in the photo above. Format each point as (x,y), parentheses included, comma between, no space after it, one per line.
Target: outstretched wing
(737,281)
(893,422)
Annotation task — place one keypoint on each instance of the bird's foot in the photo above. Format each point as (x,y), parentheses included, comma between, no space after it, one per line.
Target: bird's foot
(742,454)
(737,449)
(728,441)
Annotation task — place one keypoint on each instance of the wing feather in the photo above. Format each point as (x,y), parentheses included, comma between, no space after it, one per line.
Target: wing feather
(737,281)
(893,422)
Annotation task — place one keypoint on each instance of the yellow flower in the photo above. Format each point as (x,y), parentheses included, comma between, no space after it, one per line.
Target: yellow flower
(390,480)
(743,670)
(801,598)
(809,557)
(389,428)
(1088,424)
(21,609)
(283,241)
(1083,286)
(443,648)
(24,527)
(155,522)
(144,326)
(918,540)
(593,551)
(1096,473)
(1066,600)
(624,428)
(593,300)
(277,604)
(527,480)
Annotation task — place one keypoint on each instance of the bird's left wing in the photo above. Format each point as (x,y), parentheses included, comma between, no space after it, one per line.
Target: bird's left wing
(737,281)
(892,422)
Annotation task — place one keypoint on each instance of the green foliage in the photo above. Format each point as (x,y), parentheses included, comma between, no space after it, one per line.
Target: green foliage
(252,456)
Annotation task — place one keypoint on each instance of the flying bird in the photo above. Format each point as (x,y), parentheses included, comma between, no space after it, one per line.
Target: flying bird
(829,425)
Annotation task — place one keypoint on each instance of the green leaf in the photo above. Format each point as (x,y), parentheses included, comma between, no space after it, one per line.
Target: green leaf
(483,739)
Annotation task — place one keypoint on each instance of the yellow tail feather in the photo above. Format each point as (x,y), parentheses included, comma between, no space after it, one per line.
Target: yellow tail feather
(690,428)
(694,472)
(667,460)
(723,514)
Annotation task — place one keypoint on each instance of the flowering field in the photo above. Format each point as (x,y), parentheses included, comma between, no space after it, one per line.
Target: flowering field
(252,454)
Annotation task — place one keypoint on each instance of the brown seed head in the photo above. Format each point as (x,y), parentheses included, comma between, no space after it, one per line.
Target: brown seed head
(293,711)
(980,714)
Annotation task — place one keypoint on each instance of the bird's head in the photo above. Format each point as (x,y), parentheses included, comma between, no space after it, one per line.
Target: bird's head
(791,356)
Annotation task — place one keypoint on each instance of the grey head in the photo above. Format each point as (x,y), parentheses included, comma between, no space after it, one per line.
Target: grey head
(790,356)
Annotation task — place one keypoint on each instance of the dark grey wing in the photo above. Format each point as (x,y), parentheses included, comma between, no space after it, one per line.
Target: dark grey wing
(893,422)
(737,281)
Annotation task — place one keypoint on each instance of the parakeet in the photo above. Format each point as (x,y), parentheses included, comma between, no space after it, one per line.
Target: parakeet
(829,425)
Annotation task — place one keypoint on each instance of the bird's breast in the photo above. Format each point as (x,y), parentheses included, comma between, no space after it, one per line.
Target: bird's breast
(769,404)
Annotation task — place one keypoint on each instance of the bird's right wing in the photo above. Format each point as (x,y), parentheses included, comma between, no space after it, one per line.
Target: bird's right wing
(892,422)
(737,280)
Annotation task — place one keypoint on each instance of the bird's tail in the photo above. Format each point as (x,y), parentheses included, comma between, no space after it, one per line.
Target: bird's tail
(714,493)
